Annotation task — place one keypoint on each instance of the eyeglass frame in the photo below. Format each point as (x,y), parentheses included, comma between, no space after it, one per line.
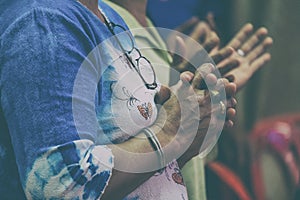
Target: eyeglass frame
(110,25)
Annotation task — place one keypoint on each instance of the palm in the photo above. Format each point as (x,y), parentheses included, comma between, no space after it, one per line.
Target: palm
(242,73)
(254,47)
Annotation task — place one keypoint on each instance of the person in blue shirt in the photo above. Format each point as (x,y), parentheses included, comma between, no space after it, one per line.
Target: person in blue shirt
(75,109)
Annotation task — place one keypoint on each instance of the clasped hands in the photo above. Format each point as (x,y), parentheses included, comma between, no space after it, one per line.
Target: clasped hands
(192,110)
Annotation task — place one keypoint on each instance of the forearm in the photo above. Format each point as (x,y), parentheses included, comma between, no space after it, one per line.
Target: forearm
(123,183)
(135,162)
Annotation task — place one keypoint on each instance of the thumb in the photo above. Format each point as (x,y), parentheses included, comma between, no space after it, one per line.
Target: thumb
(185,80)
(204,76)
(186,77)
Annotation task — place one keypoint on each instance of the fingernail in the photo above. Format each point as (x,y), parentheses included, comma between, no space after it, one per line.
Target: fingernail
(234,102)
(206,68)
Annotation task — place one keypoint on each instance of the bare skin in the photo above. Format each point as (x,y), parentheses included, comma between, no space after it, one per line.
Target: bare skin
(136,7)
(233,66)
(254,46)
(229,64)
(167,123)
(166,129)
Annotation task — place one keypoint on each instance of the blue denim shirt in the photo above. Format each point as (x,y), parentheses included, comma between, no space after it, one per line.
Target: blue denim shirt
(42,46)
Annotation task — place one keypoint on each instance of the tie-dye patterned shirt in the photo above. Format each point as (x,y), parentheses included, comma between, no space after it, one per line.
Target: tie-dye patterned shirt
(43,154)
(64,96)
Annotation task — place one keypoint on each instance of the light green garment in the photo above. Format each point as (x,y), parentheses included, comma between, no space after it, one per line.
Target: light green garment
(194,178)
(193,171)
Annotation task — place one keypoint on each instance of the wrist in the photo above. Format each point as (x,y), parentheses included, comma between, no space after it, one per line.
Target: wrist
(170,144)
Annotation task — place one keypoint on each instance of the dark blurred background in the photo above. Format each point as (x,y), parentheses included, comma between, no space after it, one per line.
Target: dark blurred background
(275,89)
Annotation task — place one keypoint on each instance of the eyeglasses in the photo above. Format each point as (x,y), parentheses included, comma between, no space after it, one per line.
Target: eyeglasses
(139,62)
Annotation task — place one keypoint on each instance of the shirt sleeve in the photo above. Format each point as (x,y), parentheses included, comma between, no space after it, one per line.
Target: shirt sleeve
(41,53)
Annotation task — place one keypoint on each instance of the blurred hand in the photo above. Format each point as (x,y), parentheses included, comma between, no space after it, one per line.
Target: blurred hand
(186,46)
(250,50)
(237,61)
(201,32)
